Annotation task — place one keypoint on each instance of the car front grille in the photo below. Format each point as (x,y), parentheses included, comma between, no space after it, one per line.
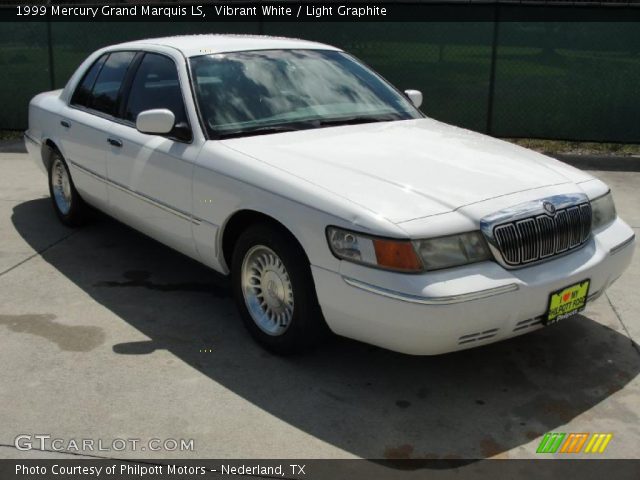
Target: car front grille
(543,236)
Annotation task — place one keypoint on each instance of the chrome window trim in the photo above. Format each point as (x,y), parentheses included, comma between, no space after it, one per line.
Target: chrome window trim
(446,300)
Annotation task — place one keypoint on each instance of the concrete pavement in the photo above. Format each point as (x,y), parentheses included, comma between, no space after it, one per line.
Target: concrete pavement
(106,334)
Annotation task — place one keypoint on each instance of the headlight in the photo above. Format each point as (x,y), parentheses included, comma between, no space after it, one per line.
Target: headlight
(375,251)
(603,211)
(453,250)
(408,256)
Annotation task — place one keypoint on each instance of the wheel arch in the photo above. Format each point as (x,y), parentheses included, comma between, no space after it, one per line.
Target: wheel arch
(49,147)
(239,221)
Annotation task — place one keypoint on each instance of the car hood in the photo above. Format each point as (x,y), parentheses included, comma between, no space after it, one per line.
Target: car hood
(407,169)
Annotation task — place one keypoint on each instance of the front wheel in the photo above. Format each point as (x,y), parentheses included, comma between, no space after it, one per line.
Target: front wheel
(274,291)
(67,203)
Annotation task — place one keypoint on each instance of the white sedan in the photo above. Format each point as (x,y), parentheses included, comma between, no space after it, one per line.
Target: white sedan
(332,202)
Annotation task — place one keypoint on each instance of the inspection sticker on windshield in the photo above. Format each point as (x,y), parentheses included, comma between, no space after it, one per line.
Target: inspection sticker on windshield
(567,302)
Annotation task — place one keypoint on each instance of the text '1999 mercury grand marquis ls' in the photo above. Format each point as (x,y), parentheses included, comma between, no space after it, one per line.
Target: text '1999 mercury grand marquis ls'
(330,199)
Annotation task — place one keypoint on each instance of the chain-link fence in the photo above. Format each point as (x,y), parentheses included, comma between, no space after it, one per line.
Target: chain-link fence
(556,80)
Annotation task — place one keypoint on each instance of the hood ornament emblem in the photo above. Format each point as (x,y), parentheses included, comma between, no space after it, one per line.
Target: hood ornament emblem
(549,207)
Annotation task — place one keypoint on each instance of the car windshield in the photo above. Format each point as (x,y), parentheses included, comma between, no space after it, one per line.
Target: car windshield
(270,91)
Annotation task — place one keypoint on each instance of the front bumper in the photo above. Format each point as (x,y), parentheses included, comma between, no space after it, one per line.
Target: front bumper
(460,308)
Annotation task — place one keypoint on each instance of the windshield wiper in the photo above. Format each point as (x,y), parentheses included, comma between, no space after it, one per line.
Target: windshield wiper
(259,131)
(317,123)
(332,122)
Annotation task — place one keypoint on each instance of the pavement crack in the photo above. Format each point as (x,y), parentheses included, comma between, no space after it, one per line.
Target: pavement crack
(624,327)
(63,452)
(18,200)
(38,253)
(78,454)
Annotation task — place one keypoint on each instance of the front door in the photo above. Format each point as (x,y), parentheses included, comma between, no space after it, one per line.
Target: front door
(150,176)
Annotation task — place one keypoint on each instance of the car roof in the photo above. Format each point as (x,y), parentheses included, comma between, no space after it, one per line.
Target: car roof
(194,45)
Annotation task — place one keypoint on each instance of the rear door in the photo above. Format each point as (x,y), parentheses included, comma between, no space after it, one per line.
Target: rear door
(86,122)
(150,176)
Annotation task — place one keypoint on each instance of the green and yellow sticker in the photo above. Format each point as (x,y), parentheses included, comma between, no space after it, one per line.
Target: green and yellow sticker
(567,301)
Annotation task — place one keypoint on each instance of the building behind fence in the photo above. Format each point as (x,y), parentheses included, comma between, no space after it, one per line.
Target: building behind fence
(555,80)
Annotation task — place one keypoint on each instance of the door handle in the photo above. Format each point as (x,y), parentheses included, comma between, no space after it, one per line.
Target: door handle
(115,142)
(65,124)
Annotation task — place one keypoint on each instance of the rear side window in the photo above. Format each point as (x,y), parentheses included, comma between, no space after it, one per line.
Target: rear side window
(155,85)
(104,95)
(82,95)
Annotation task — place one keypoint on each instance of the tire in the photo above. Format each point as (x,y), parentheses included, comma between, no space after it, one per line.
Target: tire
(67,203)
(274,291)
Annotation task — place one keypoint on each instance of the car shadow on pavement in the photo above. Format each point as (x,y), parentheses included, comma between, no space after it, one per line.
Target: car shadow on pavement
(364,400)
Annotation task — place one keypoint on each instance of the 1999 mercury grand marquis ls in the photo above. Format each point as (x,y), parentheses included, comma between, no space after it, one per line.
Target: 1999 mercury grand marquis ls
(330,199)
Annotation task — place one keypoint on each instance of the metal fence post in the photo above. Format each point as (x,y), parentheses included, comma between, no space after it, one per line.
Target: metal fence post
(492,70)
(52,76)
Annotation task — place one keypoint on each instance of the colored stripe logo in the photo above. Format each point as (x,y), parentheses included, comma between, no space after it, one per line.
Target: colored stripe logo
(574,442)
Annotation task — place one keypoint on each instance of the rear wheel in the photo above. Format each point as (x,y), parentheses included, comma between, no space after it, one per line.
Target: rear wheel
(274,290)
(67,203)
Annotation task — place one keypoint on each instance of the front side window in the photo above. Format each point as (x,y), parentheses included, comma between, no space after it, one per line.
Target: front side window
(155,85)
(104,95)
(244,93)
(82,95)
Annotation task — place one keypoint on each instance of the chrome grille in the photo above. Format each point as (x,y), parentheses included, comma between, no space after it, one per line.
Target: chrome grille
(542,236)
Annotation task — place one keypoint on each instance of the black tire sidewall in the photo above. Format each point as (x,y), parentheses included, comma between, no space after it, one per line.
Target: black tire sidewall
(307,327)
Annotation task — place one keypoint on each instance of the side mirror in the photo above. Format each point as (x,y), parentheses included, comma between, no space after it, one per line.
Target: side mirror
(415,96)
(158,121)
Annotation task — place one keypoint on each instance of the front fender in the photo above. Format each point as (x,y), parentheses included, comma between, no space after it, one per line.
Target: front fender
(226,181)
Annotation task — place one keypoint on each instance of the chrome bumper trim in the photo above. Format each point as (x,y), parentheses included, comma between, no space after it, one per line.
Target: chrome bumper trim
(619,247)
(32,139)
(450,299)
(595,295)
(138,195)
